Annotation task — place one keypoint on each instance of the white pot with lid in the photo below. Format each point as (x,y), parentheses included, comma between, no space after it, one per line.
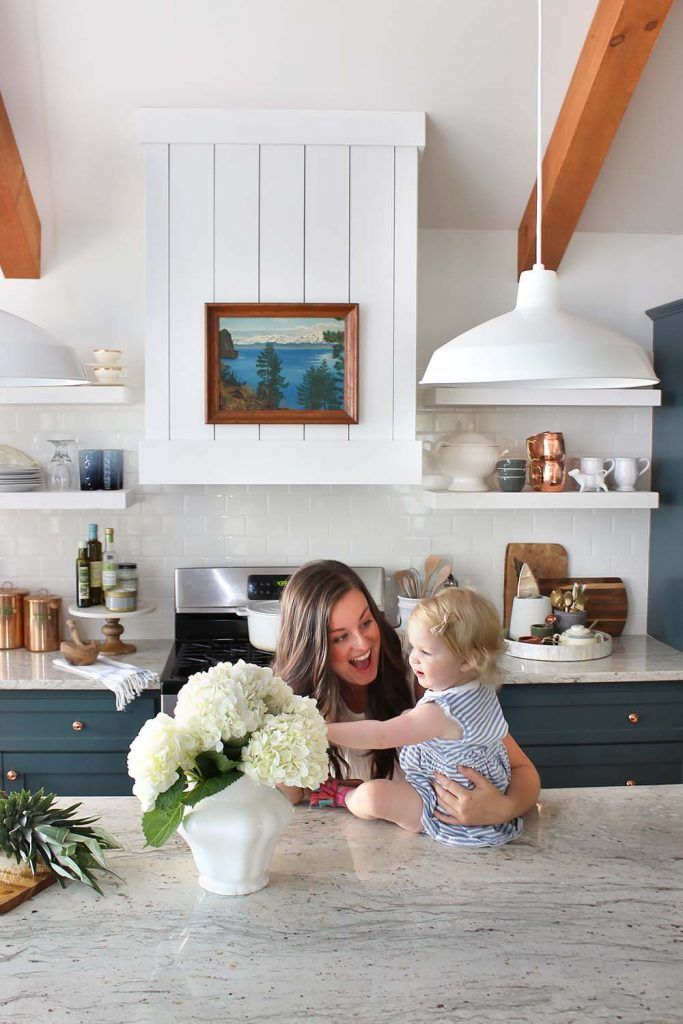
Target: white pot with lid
(263,620)
(468,458)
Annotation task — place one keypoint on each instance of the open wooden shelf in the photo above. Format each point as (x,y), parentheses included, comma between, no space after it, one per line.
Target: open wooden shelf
(76,394)
(60,500)
(565,500)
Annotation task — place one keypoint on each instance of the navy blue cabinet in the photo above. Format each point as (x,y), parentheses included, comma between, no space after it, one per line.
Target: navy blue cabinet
(599,734)
(665,591)
(70,742)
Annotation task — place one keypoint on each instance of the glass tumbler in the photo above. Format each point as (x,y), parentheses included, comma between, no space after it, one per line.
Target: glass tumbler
(90,466)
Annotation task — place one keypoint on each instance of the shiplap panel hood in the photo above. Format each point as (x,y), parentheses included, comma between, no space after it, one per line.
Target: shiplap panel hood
(280,206)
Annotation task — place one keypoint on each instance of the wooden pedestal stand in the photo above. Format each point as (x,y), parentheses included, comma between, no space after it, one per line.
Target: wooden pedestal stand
(112,628)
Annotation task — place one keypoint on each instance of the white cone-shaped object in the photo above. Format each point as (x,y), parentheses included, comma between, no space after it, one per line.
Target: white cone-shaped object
(540,345)
(30,357)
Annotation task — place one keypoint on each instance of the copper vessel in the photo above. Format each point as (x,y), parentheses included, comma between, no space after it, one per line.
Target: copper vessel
(11,616)
(547,469)
(42,621)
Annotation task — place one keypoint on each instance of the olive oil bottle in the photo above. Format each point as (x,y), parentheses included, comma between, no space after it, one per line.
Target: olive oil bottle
(82,576)
(109,561)
(95,564)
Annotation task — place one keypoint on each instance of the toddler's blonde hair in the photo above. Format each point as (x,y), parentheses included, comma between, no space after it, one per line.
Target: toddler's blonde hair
(469,624)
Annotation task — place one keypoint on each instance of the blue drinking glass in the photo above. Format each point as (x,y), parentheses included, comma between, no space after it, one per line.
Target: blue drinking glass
(112,469)
(90,468)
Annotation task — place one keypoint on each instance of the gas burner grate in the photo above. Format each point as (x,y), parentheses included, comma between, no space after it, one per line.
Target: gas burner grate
(200,655)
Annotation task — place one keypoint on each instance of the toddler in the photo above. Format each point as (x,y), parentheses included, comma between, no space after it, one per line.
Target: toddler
(456,640)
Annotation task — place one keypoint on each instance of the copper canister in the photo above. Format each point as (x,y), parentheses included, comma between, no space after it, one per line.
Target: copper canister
(42,621)
(11,616)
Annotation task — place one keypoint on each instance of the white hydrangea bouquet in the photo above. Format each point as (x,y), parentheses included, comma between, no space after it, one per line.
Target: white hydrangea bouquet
(231,721)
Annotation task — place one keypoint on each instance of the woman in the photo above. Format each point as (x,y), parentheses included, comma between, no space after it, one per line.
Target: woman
(336,646)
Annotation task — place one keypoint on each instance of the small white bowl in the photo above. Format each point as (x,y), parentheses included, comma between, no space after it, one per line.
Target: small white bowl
(108,373)
(107,356)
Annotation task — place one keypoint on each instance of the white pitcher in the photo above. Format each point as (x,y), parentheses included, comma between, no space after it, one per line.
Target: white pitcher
(627,471)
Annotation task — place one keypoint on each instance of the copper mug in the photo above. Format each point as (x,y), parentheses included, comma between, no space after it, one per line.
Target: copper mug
(547,469)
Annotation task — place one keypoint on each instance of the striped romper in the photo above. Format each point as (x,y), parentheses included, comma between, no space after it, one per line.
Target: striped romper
(477,709)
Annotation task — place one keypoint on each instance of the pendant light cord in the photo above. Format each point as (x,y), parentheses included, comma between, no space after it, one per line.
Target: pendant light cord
(539,157)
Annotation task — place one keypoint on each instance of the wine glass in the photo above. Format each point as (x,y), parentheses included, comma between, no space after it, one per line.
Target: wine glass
(60,466)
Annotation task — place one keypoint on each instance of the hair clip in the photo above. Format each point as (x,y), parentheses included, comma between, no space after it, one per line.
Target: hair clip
(442,626)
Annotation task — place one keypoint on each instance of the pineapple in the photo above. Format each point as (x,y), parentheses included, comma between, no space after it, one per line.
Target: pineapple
(35,833)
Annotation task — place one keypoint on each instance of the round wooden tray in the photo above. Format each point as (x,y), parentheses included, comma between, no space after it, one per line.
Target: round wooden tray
(560,652)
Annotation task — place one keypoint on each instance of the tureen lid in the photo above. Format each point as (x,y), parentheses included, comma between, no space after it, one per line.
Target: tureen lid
(468,436)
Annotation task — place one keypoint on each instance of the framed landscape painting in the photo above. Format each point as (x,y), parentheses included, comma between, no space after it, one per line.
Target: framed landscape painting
(281,363)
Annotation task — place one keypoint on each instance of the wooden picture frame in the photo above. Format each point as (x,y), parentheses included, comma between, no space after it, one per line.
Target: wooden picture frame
(295,366)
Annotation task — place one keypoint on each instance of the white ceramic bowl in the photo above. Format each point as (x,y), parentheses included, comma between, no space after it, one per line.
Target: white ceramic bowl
(107,356)
(108,373)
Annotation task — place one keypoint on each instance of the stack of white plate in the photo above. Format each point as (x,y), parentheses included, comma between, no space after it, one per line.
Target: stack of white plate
(20,479)
(18,471)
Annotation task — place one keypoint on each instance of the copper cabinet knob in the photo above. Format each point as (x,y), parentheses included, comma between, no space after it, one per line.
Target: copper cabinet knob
(11,775)
(634,718)
(77,726)
(631,782)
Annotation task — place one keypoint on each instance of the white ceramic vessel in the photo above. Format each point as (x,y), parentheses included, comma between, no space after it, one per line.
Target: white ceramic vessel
(526,612)
(233,835)
(627,471)
(405,608)
(263,621)
(468,458)
(580,636)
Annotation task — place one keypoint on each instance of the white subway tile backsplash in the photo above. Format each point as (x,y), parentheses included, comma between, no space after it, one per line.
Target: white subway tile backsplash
(391,526)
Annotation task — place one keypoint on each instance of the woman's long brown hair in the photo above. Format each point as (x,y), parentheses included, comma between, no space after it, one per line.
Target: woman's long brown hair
(303,647)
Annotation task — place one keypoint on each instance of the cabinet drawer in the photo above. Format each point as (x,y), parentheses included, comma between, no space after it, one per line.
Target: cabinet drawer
(68,774)
(609,764)
(55,721)
(594,713)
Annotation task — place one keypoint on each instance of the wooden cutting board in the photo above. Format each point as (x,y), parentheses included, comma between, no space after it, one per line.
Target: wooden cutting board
(14,889)
(607,600)
(543,559)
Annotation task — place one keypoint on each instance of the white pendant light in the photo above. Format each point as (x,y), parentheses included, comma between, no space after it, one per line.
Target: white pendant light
(30,357)
(538,344)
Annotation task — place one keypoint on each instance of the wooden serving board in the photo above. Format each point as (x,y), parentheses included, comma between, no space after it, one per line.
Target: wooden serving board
(543,559)
(607,600)
(20,888)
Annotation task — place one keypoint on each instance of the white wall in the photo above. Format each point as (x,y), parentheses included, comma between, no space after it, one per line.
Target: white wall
(95,297)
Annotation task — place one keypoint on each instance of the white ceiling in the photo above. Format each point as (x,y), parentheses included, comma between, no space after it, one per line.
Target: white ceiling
(74,72)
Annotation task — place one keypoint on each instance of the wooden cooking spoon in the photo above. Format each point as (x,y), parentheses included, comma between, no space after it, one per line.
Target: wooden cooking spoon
(440,578)
(431,564)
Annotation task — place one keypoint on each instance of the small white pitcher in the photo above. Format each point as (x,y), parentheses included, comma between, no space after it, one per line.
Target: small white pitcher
(627,471)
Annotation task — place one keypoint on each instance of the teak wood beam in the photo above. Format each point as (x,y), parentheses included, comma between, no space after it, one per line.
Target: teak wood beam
(616,49)
(19,221)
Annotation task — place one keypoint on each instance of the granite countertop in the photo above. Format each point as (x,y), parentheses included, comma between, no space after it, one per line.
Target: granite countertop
(24,670)
(578,920)
(634,659)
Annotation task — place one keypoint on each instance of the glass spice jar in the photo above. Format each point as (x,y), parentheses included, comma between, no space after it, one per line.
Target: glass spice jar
(127,577)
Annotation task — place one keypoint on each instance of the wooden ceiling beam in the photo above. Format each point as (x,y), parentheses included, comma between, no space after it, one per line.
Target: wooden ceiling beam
(619,42)
(19,220)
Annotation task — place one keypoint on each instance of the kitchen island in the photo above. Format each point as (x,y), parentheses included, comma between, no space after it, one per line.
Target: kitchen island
(579,920)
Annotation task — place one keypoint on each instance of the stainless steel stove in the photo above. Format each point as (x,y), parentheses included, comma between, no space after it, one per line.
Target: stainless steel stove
(207,626)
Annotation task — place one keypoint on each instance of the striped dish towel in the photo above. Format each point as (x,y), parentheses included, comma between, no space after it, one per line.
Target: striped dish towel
(125,681)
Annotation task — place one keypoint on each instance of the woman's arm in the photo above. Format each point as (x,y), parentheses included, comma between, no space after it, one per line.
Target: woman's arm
(422,723)
(295,794)
(485,804)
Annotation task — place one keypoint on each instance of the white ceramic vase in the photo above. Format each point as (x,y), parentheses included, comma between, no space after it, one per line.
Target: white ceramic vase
(233,835)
